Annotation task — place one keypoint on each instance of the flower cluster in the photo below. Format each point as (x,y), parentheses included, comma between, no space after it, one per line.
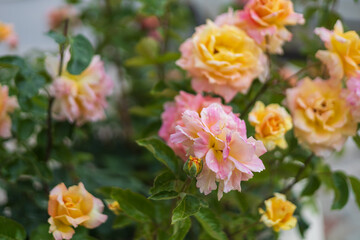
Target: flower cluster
(73,207)
(220,139)
(79,98)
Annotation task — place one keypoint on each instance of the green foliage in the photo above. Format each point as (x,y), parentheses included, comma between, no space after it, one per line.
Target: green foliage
(188,206)
(181,228)
(311,187)
(210,224)
(355,184)
(134,204)
(161,152)
(341,190)
(11,230)
(58,37)
(81,52)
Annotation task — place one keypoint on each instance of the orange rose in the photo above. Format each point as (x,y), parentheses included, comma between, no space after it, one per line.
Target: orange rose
(72,207)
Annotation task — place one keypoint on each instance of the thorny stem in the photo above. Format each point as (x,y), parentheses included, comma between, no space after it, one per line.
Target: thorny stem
(51,99)
(262,90)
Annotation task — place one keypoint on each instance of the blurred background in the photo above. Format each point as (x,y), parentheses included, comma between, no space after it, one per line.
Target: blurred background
(30,21)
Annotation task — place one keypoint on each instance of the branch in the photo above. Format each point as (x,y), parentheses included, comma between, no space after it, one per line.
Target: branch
(298,175)
(246,110)
(51,99)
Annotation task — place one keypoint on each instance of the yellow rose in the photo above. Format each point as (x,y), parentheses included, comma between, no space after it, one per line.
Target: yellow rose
(321,117)
(342,56)
(114,206)
(271,124)
(222,59)
(5,31)
(72,207)
(279,213)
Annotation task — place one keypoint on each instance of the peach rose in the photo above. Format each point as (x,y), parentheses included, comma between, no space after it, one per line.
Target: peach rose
(279,213)
(342,56)
(79,98)
(271,124)
(73,207)
(321,117)
(223,60)
(7,105)
(8,35)
(265,21)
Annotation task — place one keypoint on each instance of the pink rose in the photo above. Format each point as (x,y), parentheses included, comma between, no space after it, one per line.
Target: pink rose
(80,98)
(172,116)
(219,139)
(352,95)
(57,15)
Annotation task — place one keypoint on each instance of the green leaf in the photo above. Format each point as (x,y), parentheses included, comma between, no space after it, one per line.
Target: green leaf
(7,73)
(138,62)
(355,184)
(168,57)
(122,221)
(312,185)
(153,7)
(25,129)
(9,229)
(341,190)
(163,182)
(134,204)
(181,228)
(41,233)
(81,54)
(356,139)
(210,224)
(164,195)
(188,206)
(58,37)
(161,152)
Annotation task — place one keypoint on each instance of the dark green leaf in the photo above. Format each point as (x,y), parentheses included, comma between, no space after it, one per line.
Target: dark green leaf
(181,228)
(312,185)
(164,195)
(9,229)
(134,204)
(122,221)
(356,139)
(341,190)
(7,73)
(153,7)
(25,129)
(41,233)
(355,184)
(81,54)
(163,182)
(161,152)
(210,224)
(188,206)
(58,37)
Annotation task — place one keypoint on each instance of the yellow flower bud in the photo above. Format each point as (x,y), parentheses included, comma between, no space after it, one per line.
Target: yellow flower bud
(193,166)
(114,207)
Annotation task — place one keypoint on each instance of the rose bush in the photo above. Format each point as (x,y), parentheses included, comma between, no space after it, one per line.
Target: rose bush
(170,126)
